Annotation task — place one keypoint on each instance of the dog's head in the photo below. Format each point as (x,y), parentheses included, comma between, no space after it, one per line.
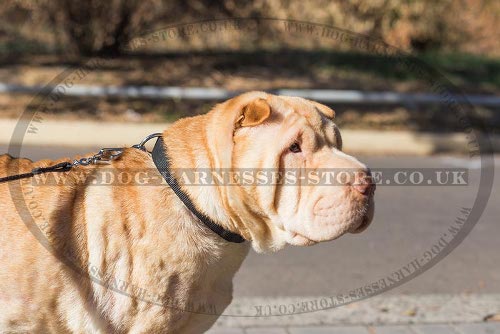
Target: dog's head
(262,132)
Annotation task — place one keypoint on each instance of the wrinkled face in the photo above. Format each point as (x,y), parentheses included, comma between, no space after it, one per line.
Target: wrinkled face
(299,136)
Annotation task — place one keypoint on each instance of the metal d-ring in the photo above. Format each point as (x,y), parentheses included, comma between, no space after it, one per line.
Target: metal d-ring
(145,140)
(105,155)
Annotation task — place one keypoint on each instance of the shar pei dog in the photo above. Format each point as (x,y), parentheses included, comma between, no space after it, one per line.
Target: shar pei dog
(82,257)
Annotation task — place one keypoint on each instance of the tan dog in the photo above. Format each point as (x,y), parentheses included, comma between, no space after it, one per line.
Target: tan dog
(158,262)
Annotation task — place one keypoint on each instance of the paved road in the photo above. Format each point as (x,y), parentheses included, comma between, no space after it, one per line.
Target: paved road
(408,221)
(491,328)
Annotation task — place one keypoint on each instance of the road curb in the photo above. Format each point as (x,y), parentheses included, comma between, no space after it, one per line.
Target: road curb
(99,134)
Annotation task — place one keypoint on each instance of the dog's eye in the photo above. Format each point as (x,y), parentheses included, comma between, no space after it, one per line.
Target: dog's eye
(295,148)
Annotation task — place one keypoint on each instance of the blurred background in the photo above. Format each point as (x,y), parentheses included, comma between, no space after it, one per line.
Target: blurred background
(38,39)
(127,68)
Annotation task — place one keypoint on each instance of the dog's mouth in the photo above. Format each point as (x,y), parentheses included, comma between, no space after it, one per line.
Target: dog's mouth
(353,217)
(367,218)
(298,239)
(305,239)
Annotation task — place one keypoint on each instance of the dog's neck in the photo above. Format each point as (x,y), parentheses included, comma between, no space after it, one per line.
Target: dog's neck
(189,155)
(197,144)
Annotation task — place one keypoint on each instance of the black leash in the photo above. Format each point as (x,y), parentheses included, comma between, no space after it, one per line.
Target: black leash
(60,167)
(161,162)
(103,156)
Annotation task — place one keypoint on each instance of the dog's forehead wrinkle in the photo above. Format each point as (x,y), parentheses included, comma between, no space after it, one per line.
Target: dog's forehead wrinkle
(293,107)
(281,105)
(314,117)
(296,105)
(307,108)
(316,126)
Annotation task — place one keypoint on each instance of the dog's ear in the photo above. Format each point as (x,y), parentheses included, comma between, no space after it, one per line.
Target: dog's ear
(254,113)
(328,112)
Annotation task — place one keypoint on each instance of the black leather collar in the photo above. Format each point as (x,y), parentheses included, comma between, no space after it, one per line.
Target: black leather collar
(161,161)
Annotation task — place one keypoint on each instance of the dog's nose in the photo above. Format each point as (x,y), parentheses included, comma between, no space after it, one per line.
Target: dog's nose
(363,182)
